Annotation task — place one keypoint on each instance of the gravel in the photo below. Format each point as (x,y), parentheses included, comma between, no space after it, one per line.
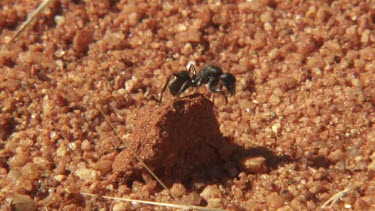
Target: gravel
(299,130)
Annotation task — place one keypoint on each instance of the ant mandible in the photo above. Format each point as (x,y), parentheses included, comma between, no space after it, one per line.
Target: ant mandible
(210,74)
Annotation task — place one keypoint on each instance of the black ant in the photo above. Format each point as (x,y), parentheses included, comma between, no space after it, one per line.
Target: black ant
(210,74)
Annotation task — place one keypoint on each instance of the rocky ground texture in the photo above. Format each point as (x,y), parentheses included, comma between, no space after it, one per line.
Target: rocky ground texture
(79,91)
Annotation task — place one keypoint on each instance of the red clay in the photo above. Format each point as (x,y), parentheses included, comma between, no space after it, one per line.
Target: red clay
(177,138)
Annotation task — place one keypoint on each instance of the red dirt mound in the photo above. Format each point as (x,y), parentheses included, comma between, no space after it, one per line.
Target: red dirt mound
(176,139)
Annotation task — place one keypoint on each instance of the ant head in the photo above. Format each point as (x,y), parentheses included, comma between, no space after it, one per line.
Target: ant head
(229,82)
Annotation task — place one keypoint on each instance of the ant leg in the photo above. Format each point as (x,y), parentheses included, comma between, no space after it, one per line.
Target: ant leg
(219,92)
(194,77)
(222,93)
(225,96)
(192,67)
(184,86)
(163,90)
(215,88)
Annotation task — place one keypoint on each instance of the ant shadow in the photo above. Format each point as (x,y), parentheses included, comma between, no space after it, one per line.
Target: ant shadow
(238,153)
(231,156)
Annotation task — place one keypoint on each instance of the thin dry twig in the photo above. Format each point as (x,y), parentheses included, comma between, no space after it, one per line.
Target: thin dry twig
(32,17)
(331,201)
(177,206)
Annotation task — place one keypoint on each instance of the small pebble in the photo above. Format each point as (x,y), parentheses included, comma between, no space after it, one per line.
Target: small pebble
(257,165)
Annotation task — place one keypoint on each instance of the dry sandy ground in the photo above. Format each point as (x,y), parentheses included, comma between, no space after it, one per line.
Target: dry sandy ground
(79,91)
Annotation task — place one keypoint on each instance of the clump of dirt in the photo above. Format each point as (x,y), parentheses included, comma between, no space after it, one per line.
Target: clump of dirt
(176,139)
